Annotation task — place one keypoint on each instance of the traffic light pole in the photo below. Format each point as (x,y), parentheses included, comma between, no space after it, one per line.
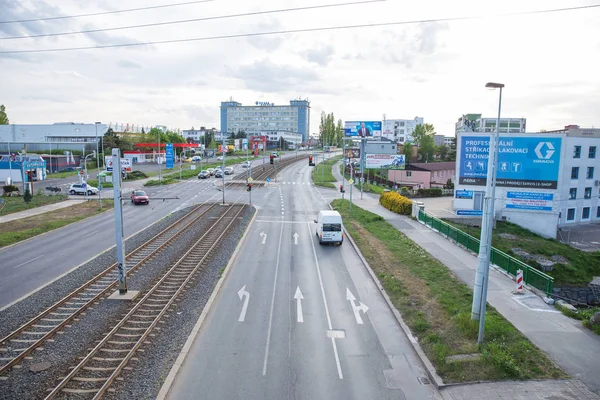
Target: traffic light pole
(121,269)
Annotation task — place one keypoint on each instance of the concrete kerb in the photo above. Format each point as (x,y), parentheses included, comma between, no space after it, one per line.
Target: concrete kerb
(168,384)
(433,376)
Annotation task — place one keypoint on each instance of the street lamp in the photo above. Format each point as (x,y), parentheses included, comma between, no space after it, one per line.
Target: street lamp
(487,223)
(97,152)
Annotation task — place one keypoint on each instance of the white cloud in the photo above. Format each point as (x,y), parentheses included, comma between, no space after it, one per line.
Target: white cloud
(434,70)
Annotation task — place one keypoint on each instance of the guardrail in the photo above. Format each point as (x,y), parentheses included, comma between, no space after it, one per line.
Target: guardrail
(531,276)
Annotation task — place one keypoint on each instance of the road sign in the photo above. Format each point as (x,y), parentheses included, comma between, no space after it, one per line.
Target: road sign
(268,179)
(351,181)
(170,155)
(83,184)
(250,180)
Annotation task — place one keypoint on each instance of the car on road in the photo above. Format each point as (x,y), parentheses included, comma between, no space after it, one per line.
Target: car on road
(329,227)
(203,174)
(196,159)
(218,173)
(139,197)
(220,158)
(275,154)
(211,171)
(188,159)
(246,164)
(82,188)
(229,170)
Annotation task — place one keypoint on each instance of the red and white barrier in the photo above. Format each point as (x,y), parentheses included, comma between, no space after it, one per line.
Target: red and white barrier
(519,281)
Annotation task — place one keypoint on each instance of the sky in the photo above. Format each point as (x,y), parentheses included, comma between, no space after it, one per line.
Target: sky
(436,69)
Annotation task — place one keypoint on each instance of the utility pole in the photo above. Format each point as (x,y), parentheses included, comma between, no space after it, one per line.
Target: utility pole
(159,156)
(121,268)
(223,169)
(362,165)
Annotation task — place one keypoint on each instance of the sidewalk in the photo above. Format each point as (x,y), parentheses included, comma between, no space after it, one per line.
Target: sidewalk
(574,348)
(38,210)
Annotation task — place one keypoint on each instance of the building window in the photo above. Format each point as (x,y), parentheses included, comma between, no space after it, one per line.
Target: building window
(592,152)
(408,174)
(598,212)
(574,172)
(570,214)
(590,173)
(577,152)
(585,213)
(572,193)
(588,193)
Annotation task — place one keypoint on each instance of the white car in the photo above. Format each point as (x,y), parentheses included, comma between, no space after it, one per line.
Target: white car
(196,158)
(82,188)
(220,158)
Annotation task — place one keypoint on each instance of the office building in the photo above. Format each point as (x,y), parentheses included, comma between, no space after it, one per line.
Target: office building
(476,123)
(400,130)
(263,117)
(68,136)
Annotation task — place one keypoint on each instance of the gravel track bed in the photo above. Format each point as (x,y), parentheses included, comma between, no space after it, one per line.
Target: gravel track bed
(158,358)
(85,333)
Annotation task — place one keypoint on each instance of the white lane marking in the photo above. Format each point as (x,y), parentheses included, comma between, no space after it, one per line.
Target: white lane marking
(298,296)
(335,352)
(296,238)
(264,237)
(534,309)
(356,309)
(241,293)
(89,234)
(264,372)
(33,259)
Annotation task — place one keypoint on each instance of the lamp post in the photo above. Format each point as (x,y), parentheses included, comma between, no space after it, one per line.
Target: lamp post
(97,148)
(223,170)
(487,223)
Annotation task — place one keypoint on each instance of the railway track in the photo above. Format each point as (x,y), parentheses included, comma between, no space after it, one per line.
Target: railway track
(260,174)
(21,342)
(103,364)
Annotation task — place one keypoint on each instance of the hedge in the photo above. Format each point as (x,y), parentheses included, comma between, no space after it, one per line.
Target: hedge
(396,203)
(433,192)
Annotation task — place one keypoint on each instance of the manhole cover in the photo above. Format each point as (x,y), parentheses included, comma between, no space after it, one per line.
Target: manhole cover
(424,381)
(39,367)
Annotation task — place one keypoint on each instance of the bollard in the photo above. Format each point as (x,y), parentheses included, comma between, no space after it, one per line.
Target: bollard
(519,282)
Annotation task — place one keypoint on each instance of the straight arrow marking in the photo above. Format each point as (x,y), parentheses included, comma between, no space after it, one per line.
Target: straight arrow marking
(298,296)
(243,293)
(356,309)
(264,237)
(296,238)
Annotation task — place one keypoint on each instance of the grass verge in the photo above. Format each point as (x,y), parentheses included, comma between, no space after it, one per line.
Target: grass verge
(58,175)
(437,308)
(317,173)
(25,228)
(16,204)
(580,270)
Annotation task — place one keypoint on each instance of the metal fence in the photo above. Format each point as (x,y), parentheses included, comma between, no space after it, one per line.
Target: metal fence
(531,276)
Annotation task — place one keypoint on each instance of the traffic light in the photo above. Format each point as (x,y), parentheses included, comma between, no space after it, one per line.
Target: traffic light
(249,187)
(310,160)
(342,189)
(271,159)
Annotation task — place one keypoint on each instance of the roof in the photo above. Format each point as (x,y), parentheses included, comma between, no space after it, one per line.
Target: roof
(433,166)
(330,213)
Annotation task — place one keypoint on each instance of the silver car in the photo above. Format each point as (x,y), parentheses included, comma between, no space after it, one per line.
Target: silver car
(82,188)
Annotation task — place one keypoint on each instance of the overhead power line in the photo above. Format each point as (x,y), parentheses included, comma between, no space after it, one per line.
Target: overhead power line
(107,12)
(283,10)
(305,30)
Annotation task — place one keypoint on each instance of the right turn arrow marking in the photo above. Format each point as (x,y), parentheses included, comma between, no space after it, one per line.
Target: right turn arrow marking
(356,309)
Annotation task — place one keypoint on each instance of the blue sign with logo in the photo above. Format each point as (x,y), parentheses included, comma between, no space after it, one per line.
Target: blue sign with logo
(34,165)
(529,201)
(464,194)
(244,144)
(470,213)
(170,155)
(525,162)
(362,128)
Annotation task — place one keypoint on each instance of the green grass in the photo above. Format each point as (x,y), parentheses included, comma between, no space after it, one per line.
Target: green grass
(59,175)
(16,204)
(317,173)
(583,315)
(437,308)
(580,270)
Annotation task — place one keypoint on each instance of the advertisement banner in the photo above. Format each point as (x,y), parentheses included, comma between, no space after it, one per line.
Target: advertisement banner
(470,213)
(362,129)
(170,155)
(388,129)
(529,201)
(244,144)
(352,153)
(463,194)
(384,161)
(125,164)
(526,162)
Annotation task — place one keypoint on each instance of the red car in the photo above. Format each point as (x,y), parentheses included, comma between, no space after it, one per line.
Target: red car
(139,197)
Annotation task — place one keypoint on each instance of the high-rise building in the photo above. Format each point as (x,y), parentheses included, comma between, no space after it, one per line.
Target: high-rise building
(475,123)
(400,130)
(265,117)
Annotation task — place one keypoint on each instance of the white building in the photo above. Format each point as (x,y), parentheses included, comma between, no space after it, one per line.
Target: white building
(198,135)
(68,135)
(273,138)
(545,181)
(400,130)
(448,140)
(475,123)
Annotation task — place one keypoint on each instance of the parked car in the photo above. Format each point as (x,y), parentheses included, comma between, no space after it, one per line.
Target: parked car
(196,159)
(274,154)
(220,158)
(203,174)
(229,170)
(139,197)
(218,173)
(246,164)
(211,171)
(187,159)
(82,188)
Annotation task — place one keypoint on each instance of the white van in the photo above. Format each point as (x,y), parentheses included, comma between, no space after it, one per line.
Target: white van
(329,227)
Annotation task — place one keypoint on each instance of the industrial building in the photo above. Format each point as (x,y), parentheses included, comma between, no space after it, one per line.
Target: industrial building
(544,181)
(264,117)
(45,137)
(476,123)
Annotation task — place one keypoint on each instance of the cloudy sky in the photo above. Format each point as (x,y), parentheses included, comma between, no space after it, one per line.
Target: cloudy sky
(436,70)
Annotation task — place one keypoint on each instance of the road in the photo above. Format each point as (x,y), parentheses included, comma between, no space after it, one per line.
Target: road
(296,320)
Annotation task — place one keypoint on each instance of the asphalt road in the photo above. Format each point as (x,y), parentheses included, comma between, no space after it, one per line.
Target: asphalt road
(289,322)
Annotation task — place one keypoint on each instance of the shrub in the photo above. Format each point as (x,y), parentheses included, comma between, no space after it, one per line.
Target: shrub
(27,196)
(433,192)
(404,191)
(396,203)
(10,188)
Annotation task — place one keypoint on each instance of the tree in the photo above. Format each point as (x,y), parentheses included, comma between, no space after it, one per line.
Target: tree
(443,151)
(328,130)
(452,150)
(421,131)
(241,134)
(407,151)
(111,140)
(427,148)
(27,196)
(3,116)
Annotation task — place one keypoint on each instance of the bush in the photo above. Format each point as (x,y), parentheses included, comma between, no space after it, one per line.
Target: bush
(27,196)
(396,203)
(404,191)
(10,188)
(433,192)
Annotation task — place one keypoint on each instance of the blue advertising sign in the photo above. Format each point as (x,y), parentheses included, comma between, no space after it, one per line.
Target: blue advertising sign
(244,144)
(464,194)
(526,162)
(34,165)
(470,213)
(170,155)
(362,128)
(529,201)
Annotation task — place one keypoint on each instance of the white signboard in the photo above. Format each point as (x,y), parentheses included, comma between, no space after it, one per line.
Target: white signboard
(388,129)
(125,163)
(536,201)
(384,161)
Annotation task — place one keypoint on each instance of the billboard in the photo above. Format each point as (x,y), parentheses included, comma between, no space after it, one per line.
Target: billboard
(362,128)
(529,201)
(525,162)
(388,129)
(125,164)
(352,153)
(384,161)
(170,155)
